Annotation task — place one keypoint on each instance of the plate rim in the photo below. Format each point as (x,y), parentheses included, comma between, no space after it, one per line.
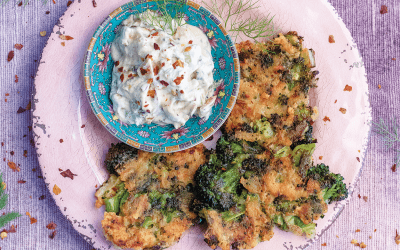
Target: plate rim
(354,182)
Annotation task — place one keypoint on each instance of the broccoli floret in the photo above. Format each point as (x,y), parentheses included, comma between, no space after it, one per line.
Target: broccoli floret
(332,185)
(168,203)
(263,127)
(227,150)
(118,155)
(283,99)
(307,229)
(254,165)
(115,201)
(216,187)
(266,60)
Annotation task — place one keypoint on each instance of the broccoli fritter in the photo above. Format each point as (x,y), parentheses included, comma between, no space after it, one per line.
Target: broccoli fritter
(272,105)
(147,200)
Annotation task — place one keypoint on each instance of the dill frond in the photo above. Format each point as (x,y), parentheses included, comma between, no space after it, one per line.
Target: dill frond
(167,20)
(231,12)
(390,135)
(3,202)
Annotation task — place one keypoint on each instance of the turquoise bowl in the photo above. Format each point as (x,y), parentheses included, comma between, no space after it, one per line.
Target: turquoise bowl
(98,66)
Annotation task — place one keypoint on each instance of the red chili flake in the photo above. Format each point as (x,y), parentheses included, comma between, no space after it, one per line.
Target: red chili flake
(156,69)
(156,47)
(348,88)
(326,119)
(365,198)
(121,69)
(331,39)
(54,1)
(21,110)
(148,111)
(145,106)
(51,226)
(394,59)
(33,220)
(358,159)
(20,4)
(143,71)
(68,173)
(155,34)
(151,93)
(28,106)
(42,197)
(359,196)
(149,56)
(384,9)
(59,169)
(181,92)
(164,83)
(393,168)
(12,229)
(13,166)
(21,181)
(323,244)
(2,144)
(335,101)
(122,77)
(18,46)
(187,49)
(190,42)
(64,37)
(116,63)
(94,3)
(177,63)
(47,12)
(69,3)
(178,80)
(12,153)
(61,140)
(396,238)
(53,234)
(150,81)
(16,78)
(10,55)
(343,110)
(210,138)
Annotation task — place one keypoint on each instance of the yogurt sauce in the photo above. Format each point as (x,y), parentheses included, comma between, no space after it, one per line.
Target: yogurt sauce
(159,78)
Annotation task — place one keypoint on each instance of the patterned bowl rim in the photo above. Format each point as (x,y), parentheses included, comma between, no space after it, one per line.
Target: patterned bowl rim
(178,147)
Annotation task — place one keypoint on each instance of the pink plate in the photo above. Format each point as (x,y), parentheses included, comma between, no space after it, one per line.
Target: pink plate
(69,136)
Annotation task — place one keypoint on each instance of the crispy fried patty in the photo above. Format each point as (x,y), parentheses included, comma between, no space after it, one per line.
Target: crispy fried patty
(158,190)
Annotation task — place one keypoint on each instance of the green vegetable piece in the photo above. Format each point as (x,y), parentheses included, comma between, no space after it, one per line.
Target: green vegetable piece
(283,152)
(263,127)
(300,150)
(113,204)
(148,222)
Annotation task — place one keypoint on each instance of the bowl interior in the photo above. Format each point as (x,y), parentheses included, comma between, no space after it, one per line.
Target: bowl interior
(156,138)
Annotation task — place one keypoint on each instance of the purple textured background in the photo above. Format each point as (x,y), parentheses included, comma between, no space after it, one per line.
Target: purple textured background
(378,40)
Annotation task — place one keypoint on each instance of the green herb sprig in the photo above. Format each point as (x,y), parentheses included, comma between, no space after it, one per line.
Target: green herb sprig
(3,202)
(390,135)
(167,20)
(231,12)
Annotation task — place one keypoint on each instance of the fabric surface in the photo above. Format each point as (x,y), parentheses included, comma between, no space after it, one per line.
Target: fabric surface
(375,214)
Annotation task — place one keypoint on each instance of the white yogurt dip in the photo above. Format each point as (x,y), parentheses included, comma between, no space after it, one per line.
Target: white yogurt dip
(159,78)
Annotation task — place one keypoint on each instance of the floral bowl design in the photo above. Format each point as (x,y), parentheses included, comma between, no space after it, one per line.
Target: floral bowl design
(98,66)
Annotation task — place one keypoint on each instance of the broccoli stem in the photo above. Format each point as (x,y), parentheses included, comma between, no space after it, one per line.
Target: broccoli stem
(113,204)
(148,222)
